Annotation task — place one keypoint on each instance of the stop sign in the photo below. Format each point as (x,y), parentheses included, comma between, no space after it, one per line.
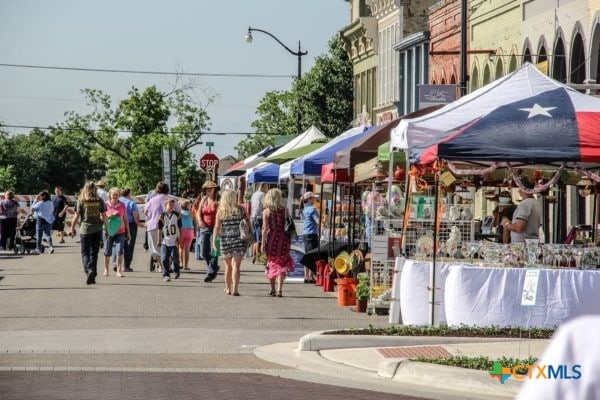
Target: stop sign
(209,161)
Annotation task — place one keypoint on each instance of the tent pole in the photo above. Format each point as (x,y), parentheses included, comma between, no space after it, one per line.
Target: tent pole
(432,288)
(320,217)
(595,199)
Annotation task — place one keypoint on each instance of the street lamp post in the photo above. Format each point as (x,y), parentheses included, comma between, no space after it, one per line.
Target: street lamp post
(298,54)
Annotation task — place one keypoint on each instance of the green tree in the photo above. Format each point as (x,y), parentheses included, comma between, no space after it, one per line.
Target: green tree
(8,179)
(325,93)
(324,97)
(134,158)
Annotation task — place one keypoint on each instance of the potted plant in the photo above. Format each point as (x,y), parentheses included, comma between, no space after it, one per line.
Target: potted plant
(363,289)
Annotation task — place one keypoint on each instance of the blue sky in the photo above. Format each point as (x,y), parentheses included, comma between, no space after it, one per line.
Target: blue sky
(151,35)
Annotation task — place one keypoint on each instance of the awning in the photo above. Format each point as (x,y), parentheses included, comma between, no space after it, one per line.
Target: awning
(365,170)
(268,173)
(366,147)
(240,167)
(294,153)
(311,163)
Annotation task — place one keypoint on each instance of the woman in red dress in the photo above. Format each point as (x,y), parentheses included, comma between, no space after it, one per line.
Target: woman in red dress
(277,244)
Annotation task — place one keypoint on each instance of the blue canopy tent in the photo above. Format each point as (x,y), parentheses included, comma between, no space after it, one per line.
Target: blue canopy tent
(311,163)
(268,173)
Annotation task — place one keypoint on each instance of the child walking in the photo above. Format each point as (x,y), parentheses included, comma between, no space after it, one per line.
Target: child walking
(169,228)
(188,232)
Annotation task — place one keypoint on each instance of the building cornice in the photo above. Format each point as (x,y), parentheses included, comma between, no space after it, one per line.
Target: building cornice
(360,38)
(411,40)
(381,8)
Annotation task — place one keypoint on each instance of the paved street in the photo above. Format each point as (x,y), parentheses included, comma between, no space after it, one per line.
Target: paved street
(60,338)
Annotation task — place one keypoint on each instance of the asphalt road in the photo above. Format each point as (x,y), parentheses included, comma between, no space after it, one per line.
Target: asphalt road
(139,337)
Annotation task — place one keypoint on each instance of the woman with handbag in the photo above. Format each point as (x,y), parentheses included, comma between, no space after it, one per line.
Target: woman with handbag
(276,243)
(230,226)
(207,214)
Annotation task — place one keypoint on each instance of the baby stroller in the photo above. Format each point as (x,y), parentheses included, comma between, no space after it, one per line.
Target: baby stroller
(25,237)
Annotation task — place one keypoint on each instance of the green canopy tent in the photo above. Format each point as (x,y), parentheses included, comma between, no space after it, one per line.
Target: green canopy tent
(296,153)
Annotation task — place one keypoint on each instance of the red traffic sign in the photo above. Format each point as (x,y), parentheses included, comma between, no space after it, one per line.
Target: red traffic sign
(209,161)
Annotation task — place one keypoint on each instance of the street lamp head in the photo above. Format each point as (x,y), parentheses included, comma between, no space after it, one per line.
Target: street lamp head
(248,37)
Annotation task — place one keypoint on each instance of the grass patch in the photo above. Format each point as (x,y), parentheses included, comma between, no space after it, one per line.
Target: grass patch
(460,331)
(481,363)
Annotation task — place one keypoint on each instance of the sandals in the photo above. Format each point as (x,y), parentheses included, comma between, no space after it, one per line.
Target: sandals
(227,291)
(272,293)
(279,294)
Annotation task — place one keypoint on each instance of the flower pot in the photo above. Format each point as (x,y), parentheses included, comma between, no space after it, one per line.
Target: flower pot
(361,305)
(346,291)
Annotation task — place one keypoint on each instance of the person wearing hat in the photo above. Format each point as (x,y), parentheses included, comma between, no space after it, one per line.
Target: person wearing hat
(526,220)
(310,232)
(103,194)
(503,213)
(207,216)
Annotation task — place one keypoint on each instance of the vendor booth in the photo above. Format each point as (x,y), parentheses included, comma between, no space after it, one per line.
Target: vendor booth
(524,125)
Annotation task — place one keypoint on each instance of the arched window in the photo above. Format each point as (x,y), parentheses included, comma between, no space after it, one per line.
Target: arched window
(474,79)
(559,66)
(512,66)
(527,56)
(577,60)
(499,68)
(487,75)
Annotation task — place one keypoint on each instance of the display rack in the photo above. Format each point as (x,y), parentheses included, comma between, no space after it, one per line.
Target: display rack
(381,275)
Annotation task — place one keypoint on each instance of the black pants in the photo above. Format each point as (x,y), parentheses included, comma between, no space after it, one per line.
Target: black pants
(90,245)
(8,229)
(130,246)
(311,242)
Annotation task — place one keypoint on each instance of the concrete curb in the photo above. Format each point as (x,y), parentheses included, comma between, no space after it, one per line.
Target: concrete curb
(317,341)
(440,377)
(444,377)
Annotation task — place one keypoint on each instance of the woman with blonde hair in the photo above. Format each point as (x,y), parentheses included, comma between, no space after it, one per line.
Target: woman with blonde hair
(276,244)
(90,211)
(233,247)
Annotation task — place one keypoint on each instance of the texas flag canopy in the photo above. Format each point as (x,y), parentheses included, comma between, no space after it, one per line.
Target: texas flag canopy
(524,118)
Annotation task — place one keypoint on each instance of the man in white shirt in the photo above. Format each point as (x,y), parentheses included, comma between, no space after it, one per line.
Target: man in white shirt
(256,209)
(103,194)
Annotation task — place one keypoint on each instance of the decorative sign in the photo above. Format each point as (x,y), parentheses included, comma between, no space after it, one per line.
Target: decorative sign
(530,287)
(209,161)
(430,95)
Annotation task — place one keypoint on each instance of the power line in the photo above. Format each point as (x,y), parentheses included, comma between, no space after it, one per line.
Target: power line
(129,71)
(116,130)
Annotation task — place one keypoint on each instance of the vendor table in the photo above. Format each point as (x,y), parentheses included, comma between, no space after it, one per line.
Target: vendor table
(484,296)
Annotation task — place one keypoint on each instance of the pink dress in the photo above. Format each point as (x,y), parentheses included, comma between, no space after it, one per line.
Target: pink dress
(279,260)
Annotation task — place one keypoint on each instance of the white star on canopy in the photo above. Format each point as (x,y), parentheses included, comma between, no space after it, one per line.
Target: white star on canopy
(538,110)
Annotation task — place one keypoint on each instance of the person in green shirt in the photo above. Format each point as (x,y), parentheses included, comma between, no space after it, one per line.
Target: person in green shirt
(90,212)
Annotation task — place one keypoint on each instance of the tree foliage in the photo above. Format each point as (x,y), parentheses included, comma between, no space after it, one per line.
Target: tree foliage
(123,143)
(323,96)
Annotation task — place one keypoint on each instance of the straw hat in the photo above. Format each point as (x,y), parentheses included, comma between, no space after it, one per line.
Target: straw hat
(101,183)
(209,185)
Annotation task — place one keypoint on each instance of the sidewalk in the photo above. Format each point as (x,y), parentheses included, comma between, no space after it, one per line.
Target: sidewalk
(383,362)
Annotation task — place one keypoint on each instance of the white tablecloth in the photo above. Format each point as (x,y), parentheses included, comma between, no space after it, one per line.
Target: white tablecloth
(414,295)
(483,296)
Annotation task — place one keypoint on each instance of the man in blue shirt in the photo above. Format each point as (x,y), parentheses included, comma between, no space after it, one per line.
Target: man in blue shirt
(310,233)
